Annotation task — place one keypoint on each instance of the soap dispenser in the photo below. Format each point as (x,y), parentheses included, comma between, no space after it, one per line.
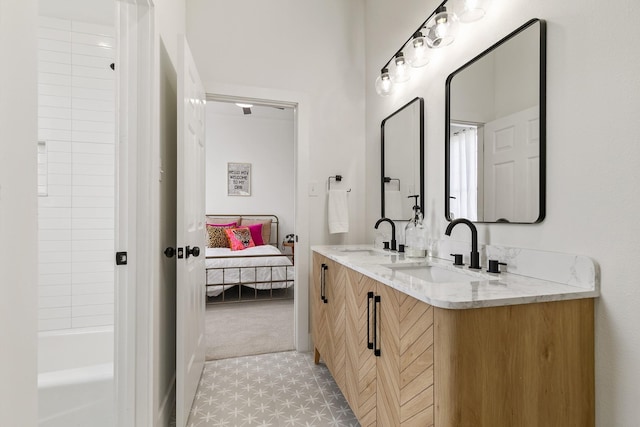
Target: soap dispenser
(415,234)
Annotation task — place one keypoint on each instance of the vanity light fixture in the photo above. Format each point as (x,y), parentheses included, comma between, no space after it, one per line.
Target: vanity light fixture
(383,83)
(419,57)
(470,10)
(438,30)
(401,70)
(441,28)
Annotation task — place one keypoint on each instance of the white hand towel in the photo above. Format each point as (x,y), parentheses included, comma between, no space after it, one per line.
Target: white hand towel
(393,204)
(338,212)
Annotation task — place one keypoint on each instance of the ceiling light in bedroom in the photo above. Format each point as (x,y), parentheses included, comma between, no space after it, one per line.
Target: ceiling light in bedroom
(246,108)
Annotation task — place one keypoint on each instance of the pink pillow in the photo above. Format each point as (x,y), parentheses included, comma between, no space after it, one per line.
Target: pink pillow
(239,238)
(256,233)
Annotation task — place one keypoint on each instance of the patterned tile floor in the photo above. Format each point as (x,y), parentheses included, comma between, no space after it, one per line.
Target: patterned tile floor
(277,389)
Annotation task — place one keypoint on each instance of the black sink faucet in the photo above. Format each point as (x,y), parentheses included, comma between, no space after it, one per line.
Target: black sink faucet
(393,231)
(475,255)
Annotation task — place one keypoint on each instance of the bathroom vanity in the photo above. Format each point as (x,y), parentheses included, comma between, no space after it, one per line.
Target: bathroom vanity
(426,343)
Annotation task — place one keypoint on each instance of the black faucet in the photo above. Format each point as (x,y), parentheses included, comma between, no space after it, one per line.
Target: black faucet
(475,255)
(393,231)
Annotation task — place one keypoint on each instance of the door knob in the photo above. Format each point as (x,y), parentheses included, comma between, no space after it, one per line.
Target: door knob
(195,251)
(169,252)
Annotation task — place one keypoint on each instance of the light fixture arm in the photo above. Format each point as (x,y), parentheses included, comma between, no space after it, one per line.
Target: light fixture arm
(423,25)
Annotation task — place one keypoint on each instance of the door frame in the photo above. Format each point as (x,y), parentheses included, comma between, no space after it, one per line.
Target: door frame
(133,374)
(301,119)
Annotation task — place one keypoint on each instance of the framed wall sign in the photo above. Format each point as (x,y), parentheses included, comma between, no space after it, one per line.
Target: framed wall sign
(239,179)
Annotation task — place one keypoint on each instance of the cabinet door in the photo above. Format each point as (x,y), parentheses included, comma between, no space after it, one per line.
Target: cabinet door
(328,317)
(336,282)
(319,328)
(360,382)
(388,363)
(405,392)
(416,385)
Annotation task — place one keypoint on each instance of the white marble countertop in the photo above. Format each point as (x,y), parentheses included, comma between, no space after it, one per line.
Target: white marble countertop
(481,289)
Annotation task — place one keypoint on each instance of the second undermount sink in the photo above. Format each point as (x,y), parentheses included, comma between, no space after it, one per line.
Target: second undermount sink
(432,273)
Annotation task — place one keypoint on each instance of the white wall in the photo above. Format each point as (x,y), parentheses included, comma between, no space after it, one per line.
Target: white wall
(76,121)
(593,154)
(312,47)
(18,212)
(265,139)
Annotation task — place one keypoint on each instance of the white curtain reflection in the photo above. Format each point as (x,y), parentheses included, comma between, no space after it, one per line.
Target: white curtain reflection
(463,184)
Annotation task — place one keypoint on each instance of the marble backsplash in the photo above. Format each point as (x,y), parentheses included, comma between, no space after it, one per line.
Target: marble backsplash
(569,269)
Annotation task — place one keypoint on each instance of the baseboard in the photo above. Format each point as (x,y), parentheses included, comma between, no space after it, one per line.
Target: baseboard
(163,417)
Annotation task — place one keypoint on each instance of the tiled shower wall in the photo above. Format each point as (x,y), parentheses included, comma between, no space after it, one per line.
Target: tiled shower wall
(76,133)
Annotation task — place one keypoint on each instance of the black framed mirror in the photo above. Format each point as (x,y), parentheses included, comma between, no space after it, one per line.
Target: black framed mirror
(495,134)
(402,145)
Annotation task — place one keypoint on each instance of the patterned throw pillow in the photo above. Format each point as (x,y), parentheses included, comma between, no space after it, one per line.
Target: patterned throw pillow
(217,237)
(239,238)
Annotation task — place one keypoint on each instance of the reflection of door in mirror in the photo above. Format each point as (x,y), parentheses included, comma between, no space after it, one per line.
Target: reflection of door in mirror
(512,167)
(402,160)
(495,137)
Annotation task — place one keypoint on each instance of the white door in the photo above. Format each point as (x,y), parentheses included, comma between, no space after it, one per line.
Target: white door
(512,167)
(190,236)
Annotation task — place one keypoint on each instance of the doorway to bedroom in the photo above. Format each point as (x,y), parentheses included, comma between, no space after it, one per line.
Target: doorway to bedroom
(250,203)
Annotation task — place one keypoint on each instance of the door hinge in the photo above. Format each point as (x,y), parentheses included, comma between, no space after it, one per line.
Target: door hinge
(121,258)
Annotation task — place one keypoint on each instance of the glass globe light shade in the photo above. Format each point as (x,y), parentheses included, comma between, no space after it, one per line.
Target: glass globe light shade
(470,10)
(384,86)
(441,29)
(401,71)
(418,56)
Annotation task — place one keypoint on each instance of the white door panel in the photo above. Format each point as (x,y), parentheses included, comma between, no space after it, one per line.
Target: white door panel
(190,298)
(511,167)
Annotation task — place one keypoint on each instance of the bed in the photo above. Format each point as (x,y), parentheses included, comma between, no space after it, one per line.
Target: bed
(254,273)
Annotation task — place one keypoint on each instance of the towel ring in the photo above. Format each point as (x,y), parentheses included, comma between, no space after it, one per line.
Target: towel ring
(337,178)
(389,179)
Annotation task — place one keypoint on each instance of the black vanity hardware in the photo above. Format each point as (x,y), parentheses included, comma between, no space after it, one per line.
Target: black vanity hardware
(457,259)
(393,232)
(369,300)
(323,283)
(474,257)
(494,266)
(376,339)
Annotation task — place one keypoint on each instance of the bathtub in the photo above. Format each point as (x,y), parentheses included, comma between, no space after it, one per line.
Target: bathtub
(75,378)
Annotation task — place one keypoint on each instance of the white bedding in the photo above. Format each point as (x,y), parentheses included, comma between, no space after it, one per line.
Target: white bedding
(267,268)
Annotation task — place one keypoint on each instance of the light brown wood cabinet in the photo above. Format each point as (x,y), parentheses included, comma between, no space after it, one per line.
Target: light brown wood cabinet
(520,365)
(328,308)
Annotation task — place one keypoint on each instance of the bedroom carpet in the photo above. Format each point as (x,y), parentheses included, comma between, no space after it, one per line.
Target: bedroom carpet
(249,328)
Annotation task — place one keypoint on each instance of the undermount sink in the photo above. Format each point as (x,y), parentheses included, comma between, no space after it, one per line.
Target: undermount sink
(431,273)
